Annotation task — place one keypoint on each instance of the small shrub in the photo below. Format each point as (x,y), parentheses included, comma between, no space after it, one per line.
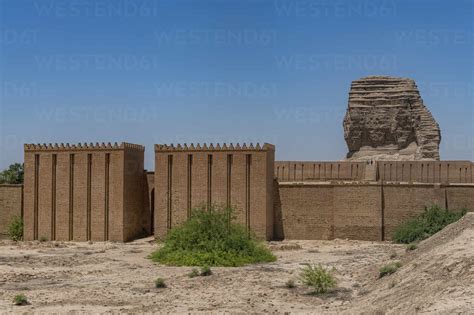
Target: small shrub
(411,246)
(389,269)
(211,238)
(432,220)
(194,273)
(290,284)
(160,283)
(20,299)
(205,271)
(43,239)
(317,277)
(15,229)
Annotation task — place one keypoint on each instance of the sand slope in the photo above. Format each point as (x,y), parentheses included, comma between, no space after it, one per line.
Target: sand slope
(437,277)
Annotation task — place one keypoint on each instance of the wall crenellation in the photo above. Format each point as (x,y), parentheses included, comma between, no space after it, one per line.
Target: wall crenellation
(212,147)
(82,146)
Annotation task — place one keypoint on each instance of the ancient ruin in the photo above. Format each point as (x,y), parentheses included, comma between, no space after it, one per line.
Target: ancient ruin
(100,192)
(387,120)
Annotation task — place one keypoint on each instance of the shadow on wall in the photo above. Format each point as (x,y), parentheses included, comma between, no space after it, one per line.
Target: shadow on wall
(278,231)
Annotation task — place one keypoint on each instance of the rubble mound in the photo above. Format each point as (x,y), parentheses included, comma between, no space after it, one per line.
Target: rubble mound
(437,277)
(387,120)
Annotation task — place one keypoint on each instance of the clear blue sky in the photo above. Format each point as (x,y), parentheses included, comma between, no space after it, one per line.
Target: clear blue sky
(225,71)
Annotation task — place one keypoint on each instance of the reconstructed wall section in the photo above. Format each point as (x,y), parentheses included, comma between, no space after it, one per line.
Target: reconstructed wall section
(426,172)
(84,192)
(11,200)
(319,171)
(237,176)
(365,211)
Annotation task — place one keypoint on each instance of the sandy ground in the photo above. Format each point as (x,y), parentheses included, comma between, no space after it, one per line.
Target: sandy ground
(63,277)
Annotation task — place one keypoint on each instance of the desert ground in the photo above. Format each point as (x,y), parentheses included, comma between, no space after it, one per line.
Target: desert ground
(62,277)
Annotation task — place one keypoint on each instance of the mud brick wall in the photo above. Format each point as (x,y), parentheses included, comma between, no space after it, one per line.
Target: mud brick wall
(304,211)
(426,171)
(357,211)
(237,176)
(83,192)
(460,197)
(402,202)
(11,202)
(292,171)
(365,211)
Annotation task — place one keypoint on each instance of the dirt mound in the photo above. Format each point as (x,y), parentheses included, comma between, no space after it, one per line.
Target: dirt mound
(437,277)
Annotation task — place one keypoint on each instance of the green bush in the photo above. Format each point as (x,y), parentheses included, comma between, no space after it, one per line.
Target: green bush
(205,271)
(43,239)
(20,299)
(194,273)
(211,238)
(432,220)
(411,246)
(389,269)
(160,283)
(15,229)
(317,277)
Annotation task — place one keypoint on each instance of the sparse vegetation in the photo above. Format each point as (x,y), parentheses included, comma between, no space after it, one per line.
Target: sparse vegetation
(318,278)
(393,255)
(432,220)
(160,283)
(194,273)
(205,271)
(411,246)
(20,299)
(389,269)
(43,239)
(290,284)
(15,229)
(211,238)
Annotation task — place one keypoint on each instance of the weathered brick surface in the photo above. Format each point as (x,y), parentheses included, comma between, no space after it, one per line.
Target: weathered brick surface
(98,197)
(63,177)
(460,197)
(187,177)
(99,192)
(306,210)
(29,197)
(358,210)
(125,202)
(405,201)
(292,171)
(426,171)
(10,205)
(45,193)
(80,197)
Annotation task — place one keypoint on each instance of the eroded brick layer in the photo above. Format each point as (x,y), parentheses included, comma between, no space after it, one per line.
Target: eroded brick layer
(386,119)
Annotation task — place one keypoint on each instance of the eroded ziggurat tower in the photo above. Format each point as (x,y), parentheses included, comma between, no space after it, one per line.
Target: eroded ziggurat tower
(387,120)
